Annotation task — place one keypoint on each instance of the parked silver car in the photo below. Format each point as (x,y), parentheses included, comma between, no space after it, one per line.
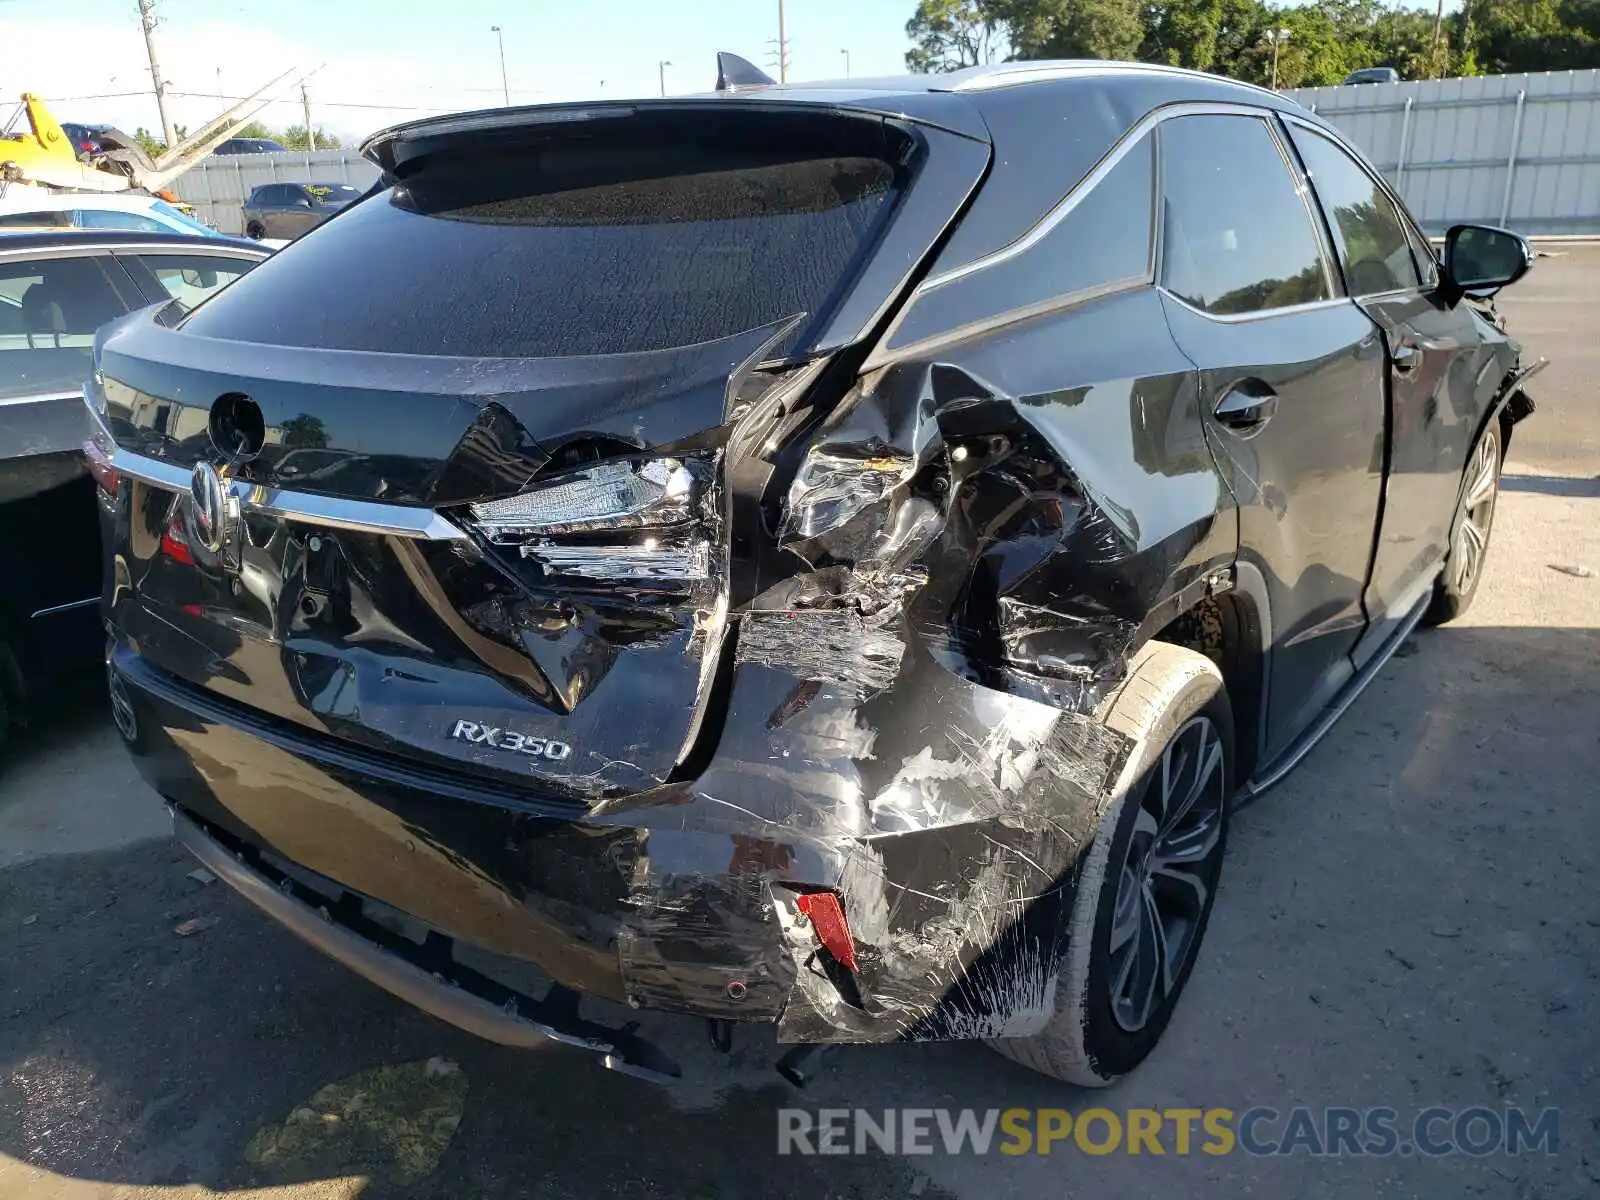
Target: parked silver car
(286,210)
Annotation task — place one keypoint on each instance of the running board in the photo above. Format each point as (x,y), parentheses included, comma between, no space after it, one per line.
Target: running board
(1275,772)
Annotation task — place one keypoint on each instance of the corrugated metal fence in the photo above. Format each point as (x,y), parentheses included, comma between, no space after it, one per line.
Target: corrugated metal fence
(1516,150)
(217,186)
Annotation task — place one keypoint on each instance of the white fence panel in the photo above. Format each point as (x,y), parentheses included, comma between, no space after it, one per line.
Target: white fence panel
(1516,150)
(217,186)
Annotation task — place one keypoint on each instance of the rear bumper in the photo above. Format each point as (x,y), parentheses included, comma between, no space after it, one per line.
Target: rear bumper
(466,1000)
(683,899)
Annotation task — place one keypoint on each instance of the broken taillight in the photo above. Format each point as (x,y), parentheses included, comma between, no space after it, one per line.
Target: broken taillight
(106,477)
(827,921)
(625,519)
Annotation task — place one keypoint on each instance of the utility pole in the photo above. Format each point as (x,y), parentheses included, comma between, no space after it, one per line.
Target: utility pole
(783,47)
(505,86)
(1277,37)
(305,107)
(846,54)
(661,70)
(1438,32)
(147,21)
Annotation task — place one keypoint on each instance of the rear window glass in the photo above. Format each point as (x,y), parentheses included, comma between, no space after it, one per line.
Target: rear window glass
(570,249)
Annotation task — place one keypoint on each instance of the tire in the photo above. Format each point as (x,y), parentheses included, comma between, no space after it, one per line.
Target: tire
(1172,700)
(1469,530)
(255,230)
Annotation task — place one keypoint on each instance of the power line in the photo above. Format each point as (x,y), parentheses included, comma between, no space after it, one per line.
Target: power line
(323,103)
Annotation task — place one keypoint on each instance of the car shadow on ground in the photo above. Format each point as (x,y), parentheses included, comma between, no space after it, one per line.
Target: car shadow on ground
(135,1053)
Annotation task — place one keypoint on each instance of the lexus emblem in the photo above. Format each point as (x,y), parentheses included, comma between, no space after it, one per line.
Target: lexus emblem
(208,507)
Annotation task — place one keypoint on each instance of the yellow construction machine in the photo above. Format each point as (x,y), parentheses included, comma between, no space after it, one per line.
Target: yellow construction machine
(42,155)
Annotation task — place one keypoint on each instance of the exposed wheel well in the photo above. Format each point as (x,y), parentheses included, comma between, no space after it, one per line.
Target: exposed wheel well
(1227,630)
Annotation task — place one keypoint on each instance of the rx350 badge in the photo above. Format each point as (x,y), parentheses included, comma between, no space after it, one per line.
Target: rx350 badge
(510,741)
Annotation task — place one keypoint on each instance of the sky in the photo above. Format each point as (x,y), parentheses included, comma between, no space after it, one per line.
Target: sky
(383,61)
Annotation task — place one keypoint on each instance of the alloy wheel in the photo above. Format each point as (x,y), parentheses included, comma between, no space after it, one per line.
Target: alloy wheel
(1167,874)
(1477,515)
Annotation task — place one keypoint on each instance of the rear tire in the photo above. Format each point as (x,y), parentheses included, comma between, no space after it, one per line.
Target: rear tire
(1470,530)
(255,230)
(1154,864)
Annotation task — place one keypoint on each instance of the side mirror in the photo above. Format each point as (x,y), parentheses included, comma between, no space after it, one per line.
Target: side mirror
(204,277)
(1479,260)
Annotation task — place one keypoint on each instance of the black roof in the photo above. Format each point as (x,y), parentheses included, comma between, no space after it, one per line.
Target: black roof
(53,239)
(955,100)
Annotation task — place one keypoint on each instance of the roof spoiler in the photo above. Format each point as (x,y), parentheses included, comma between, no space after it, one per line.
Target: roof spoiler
(735,74)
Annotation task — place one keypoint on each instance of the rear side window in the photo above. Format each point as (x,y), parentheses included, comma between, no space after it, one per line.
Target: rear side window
(107,218)
(1101,241)
(49,311)
(193,277)
(638,242)
(1236,236)
(1373,247)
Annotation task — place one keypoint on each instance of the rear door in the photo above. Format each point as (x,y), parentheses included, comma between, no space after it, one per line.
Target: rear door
(1436,354)
(50,306)
(1292,384)
(486,417)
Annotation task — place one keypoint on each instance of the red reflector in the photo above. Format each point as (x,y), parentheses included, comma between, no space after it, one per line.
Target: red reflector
(105,476)
(833,931)
(175,549)
(192,610)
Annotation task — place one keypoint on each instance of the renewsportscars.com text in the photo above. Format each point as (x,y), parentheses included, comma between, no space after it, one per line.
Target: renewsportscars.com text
(1318,1132)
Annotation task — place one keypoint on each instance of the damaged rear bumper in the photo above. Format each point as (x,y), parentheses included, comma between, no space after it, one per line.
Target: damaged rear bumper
(418,974)
(949,820)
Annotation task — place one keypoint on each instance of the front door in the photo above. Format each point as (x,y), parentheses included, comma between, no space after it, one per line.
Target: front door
(1436,355)
(1292,379)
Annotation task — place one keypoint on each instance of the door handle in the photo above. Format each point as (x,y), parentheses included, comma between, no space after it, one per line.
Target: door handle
(1407,357)
(1246,407)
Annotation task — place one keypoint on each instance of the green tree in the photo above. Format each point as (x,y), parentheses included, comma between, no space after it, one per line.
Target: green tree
(255,129)
(1110,29)
(947,35)
(294,138)
(1512,36)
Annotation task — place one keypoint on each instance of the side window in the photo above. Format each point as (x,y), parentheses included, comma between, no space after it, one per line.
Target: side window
(1373,246)
(49,310)
(1104,239)
(1236,235)
(109,218)
(193,277)
(55,219)
(269,195)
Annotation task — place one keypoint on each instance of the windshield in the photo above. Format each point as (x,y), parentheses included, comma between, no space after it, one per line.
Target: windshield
(182,219)
(333,193)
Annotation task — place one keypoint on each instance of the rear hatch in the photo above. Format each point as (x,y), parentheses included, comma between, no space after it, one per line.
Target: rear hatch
(479,428)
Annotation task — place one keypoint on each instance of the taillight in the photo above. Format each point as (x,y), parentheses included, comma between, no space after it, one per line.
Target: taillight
(106,477)
(626,519)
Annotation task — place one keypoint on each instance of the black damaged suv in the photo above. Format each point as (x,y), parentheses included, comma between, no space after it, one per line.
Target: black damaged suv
(820,555)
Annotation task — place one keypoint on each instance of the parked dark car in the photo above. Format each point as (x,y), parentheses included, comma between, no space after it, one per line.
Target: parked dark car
(1373,75)
(86,139)
(56,289)
(286,210)
(808,557)
(249,146)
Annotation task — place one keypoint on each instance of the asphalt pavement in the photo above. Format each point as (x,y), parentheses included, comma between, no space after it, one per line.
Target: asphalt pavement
(1406,923)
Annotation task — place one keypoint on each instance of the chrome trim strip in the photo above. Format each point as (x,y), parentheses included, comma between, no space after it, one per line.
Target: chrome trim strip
(1261,315)
(180,243)
(999,75)
(1000,320)
(66,607)
(330,512)
(1307,741)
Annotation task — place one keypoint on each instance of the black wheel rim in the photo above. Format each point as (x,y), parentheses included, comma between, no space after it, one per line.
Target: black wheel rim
(1167,874)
